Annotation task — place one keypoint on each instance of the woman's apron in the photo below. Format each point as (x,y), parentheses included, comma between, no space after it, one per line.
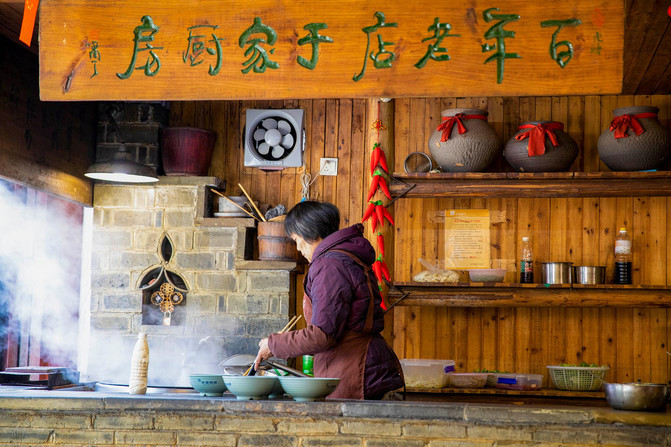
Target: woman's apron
(347,359)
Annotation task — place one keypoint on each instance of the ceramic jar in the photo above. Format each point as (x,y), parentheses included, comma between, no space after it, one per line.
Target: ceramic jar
(464,141)
(635,140)
(541,146)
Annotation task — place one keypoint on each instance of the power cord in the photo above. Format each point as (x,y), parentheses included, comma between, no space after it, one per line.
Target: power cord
(306,183)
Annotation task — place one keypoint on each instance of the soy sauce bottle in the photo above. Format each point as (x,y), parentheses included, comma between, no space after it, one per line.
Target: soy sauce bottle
(623,257)
(526,263)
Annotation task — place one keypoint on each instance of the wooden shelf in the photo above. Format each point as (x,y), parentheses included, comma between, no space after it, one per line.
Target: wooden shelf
(527,184)
(495,391)
(528,295)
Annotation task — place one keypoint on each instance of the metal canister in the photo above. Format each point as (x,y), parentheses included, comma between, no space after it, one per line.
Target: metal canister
(556,272)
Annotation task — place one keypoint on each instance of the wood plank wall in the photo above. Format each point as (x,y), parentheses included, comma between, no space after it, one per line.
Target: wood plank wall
(631,341)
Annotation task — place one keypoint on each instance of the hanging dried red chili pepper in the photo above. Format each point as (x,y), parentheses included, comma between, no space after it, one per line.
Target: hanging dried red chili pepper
(378,181)
(380,243)
(377,157)
(369,211)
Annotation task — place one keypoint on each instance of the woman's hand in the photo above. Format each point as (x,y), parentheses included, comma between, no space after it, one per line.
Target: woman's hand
(264,353)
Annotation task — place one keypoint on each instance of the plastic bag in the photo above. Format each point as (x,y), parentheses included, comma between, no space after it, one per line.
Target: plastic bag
(435,274)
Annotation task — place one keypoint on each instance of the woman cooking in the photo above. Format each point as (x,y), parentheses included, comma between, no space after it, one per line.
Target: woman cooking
(341,305)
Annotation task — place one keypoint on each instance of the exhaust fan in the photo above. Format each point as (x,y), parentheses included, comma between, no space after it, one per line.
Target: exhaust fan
(274,138)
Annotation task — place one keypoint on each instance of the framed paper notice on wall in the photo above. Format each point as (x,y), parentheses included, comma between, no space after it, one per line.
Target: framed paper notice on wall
(467,238)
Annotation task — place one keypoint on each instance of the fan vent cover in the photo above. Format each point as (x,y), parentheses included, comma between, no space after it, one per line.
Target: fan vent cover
(274,138)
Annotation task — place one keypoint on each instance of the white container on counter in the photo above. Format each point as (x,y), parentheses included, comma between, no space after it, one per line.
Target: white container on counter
(525,382)
(139,364)
(426,373)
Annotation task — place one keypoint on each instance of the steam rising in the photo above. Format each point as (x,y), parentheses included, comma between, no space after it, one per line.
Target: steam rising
(39,278)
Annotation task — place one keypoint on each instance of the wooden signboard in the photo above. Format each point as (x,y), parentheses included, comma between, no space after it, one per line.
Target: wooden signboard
(241,49)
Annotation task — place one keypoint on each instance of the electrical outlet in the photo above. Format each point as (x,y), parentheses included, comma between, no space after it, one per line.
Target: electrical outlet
(328,166)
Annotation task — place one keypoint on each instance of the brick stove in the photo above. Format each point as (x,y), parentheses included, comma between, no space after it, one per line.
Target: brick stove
(231,302)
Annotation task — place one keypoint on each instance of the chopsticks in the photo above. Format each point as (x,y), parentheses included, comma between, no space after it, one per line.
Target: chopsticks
(247,212)
(252,202)
(290,325)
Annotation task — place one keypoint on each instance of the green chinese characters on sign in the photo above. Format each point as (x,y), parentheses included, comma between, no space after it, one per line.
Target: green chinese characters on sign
(259,59)
(314,38)
(497,32)
(596,44)
(562,57)
(144,34)
(94,56)
(383,58)
(197,47)
(440,31)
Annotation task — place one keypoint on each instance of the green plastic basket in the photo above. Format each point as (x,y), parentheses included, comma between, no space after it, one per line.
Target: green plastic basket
(578,378)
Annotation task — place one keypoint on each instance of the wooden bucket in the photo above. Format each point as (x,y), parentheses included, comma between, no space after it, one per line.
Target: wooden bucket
(274,243)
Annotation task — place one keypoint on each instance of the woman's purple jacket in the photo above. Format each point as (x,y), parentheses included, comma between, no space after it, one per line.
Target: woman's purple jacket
(340,296)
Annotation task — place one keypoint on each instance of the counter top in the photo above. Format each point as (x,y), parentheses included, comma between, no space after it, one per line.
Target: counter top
(505,413)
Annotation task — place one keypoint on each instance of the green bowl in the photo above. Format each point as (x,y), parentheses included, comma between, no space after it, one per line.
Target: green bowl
(208,384)
(250,387)
(307,389)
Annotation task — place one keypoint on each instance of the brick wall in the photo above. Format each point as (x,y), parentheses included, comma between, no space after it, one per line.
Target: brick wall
(231,306)
(220,422)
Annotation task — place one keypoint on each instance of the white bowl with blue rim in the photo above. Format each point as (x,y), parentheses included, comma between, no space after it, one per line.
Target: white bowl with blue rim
(208,384)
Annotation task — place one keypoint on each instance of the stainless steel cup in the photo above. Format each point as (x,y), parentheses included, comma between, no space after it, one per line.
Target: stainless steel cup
(556,272)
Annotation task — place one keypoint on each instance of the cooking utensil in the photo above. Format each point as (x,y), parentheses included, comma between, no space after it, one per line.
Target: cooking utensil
(589,274)
(252,202)
(241,208)
(292,371)
(556,272)
(290,325)
(417,162)
(637,396)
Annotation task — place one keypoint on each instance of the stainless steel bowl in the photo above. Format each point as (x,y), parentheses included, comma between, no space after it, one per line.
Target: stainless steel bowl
(556,272)
(589,274)
(637,396)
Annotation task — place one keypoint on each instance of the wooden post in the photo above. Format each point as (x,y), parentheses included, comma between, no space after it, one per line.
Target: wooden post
(377,109)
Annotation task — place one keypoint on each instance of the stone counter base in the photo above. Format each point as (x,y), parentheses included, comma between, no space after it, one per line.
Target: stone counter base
(201,421)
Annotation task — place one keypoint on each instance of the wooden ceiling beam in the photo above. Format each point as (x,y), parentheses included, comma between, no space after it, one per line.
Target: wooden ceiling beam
(642,41)
(650,82)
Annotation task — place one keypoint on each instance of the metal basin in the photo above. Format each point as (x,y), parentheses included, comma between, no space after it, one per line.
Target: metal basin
(637,396)
(589,274)
(556,272)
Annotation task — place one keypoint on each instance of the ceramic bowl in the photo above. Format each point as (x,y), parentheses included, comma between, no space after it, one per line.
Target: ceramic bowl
(208,384)
(487,275)
(250,387)
(307,389)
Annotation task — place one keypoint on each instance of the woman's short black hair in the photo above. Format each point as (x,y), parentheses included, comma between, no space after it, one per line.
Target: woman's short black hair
(312,220)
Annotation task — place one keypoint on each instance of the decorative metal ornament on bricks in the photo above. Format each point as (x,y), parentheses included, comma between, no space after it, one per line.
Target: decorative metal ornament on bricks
(162,287)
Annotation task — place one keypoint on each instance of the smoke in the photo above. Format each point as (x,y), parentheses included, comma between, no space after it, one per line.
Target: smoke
(40,253)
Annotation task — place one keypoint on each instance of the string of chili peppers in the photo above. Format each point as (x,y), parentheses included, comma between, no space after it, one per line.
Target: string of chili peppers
(376,211)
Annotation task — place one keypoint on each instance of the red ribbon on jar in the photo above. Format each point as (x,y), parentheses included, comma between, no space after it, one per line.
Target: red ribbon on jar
(621,124)
(449,121)
(536,134)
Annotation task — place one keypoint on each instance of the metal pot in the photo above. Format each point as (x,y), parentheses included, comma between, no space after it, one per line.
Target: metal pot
(637,396)
(556,272)
(589,274)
